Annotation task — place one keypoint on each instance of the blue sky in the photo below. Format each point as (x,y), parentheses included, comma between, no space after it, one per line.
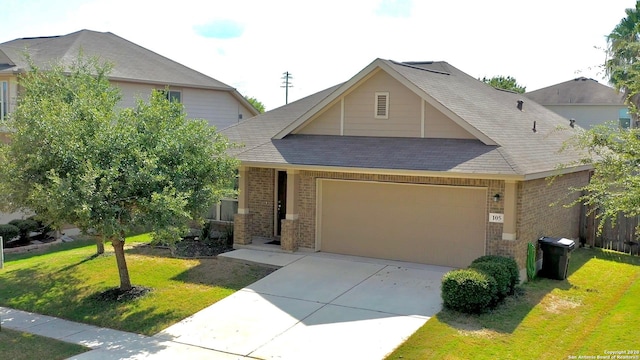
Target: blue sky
(220,29)
(248,44)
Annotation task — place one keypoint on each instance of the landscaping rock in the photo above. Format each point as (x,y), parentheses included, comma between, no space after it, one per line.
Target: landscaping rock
(66,238)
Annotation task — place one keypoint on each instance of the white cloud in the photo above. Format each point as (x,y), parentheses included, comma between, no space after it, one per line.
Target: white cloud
(394,8)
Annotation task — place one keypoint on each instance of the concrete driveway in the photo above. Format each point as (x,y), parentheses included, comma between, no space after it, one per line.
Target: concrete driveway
(318,306)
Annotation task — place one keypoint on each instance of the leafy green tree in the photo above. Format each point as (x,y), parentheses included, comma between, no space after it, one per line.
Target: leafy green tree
(614,154)
(77,158)
(505,83)
(623,51)
(256,104)
(612,151)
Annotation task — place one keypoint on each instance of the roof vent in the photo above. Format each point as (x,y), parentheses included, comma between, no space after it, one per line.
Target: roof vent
(572,122)
(534,127)
(520,104)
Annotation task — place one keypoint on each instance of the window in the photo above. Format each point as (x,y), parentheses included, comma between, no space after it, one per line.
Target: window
(4,99)
(382,105)
(172,95)
(624,118)
(224,210)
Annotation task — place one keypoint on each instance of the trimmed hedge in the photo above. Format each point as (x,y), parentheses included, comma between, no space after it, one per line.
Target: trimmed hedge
(509,263)
(468,290)
(487,281)
(26,226)
(42,227)
(500,272)
(8,232)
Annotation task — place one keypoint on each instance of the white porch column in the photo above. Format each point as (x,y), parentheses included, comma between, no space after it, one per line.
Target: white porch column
(243,197)
(293,186)
(510,210)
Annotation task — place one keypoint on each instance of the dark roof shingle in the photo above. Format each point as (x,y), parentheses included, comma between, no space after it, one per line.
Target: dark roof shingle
(580,90)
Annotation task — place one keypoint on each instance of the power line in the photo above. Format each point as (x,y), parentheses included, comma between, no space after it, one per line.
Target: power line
(286,84)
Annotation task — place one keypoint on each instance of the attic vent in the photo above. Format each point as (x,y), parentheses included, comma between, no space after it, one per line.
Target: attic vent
(382,105)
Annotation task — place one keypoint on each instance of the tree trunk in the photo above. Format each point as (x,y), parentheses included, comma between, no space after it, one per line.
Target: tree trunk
(99,245)
(118,247)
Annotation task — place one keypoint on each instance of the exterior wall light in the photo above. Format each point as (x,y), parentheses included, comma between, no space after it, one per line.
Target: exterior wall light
(496,197)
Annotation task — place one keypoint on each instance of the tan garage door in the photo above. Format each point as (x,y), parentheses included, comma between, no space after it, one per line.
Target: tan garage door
(440,225)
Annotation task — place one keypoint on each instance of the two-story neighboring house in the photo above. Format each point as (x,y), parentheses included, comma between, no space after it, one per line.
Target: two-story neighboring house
(585,100)
(136,71)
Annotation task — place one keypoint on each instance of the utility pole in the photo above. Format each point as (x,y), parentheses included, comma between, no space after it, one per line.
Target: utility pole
(286,84)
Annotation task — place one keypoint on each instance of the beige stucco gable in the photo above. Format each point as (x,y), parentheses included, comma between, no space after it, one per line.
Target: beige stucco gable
(408,115)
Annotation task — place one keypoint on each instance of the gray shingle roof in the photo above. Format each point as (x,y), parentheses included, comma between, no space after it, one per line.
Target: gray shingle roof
(131,62)
(463,156)
(580,90)
(512,147)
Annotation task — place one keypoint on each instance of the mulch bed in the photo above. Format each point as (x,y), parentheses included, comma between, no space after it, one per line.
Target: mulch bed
(34,240)
(193,247)
(117,295)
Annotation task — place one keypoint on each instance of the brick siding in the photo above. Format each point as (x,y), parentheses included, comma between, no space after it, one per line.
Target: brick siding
(541,210)
(261,184)
(535,217)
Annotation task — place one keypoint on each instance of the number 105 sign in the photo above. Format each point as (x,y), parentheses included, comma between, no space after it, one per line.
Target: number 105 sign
(496,218)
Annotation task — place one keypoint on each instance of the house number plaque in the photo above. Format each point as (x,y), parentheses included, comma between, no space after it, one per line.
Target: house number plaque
(496,218)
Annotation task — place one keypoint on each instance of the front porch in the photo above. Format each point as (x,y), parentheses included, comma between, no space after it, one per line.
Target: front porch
(274,213)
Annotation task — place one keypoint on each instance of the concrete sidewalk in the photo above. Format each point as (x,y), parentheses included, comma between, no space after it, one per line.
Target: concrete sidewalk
(105,343)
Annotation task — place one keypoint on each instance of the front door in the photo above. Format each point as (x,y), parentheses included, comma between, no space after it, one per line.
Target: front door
(281,201)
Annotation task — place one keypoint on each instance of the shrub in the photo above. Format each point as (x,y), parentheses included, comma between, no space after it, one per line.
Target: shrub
(25,226)
(8,232)
(206,231)
(509,263)
(42,226)
(228,234)
(499,271)
(468,290)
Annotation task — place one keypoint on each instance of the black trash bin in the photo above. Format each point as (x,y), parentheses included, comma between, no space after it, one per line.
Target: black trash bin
(555,257)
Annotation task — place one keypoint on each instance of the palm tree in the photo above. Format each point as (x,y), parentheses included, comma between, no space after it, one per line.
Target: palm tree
(623,58)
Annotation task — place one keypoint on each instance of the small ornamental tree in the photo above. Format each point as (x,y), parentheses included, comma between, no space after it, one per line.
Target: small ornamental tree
(76,158)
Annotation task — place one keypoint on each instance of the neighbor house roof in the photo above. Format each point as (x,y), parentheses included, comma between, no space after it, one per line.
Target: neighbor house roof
(131,62)
(506,143)
(581,90)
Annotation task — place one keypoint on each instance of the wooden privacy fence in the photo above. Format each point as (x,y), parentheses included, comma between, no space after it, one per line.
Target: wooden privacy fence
(620,237)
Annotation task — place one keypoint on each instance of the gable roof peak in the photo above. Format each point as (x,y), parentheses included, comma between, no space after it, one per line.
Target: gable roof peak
(438,67)
(582,78)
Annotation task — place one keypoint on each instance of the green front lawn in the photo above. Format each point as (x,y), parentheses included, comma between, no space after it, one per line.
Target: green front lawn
(62,282)
(594,311)
(16,345)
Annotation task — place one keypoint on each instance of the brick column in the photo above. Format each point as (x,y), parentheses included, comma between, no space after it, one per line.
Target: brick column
(288,235)
(242,220)
(241,229)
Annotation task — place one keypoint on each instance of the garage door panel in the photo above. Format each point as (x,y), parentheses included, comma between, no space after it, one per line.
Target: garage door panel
(427,224)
